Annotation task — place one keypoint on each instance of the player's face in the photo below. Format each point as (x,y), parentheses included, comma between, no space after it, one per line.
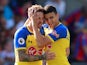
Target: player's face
(51,19)
(40,19)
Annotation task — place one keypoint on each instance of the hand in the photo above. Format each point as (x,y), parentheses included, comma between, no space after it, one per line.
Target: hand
(34,18)
(34,22)
(50,55)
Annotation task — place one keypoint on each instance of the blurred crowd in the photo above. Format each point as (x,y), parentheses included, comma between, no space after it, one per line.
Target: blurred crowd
(13,14)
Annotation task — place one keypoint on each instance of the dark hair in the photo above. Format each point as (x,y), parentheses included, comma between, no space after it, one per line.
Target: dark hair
(49,9)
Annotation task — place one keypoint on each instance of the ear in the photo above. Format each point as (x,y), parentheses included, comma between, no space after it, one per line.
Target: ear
(57,15)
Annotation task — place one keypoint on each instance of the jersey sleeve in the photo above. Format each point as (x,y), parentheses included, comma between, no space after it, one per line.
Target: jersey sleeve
(20,38)
(58,33)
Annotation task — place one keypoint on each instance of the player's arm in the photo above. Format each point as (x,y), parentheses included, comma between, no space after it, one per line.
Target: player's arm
(67,51)
(41,40)
(63,36)
(20,47)
(29,58)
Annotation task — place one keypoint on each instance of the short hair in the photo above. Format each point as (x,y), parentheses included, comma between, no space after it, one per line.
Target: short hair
(35,8)
(49,9)
(32,9)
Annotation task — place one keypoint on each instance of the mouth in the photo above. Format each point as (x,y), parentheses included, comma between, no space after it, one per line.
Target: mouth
(39,24)
(50,24)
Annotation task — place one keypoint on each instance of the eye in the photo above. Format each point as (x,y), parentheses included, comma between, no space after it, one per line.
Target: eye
(46,19)
(51,17)
(39,18)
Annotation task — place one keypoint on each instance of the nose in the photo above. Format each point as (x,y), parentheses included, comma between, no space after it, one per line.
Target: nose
(48,21)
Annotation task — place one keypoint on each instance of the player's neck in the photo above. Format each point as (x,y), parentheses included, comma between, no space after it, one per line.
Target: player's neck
(56,24)
(30,28)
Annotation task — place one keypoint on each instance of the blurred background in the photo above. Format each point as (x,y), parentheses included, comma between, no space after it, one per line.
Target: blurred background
(73,14)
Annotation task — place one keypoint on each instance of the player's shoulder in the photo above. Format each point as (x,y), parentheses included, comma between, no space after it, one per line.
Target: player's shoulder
(61,27)
(62,30)
(21,30)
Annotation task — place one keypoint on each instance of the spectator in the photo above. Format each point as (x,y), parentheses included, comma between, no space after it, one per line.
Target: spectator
(19,19)
(7,13)
(1,59)
(22,7)
(76,20)
(80,51)
(8,53)
(3,31)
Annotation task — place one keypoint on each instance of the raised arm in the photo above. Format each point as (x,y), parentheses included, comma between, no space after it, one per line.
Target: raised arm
(41,39)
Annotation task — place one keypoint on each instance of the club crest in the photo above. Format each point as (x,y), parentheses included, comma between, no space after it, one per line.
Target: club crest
(55,34)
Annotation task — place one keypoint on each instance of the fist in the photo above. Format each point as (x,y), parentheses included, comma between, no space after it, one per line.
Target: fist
(50,55)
